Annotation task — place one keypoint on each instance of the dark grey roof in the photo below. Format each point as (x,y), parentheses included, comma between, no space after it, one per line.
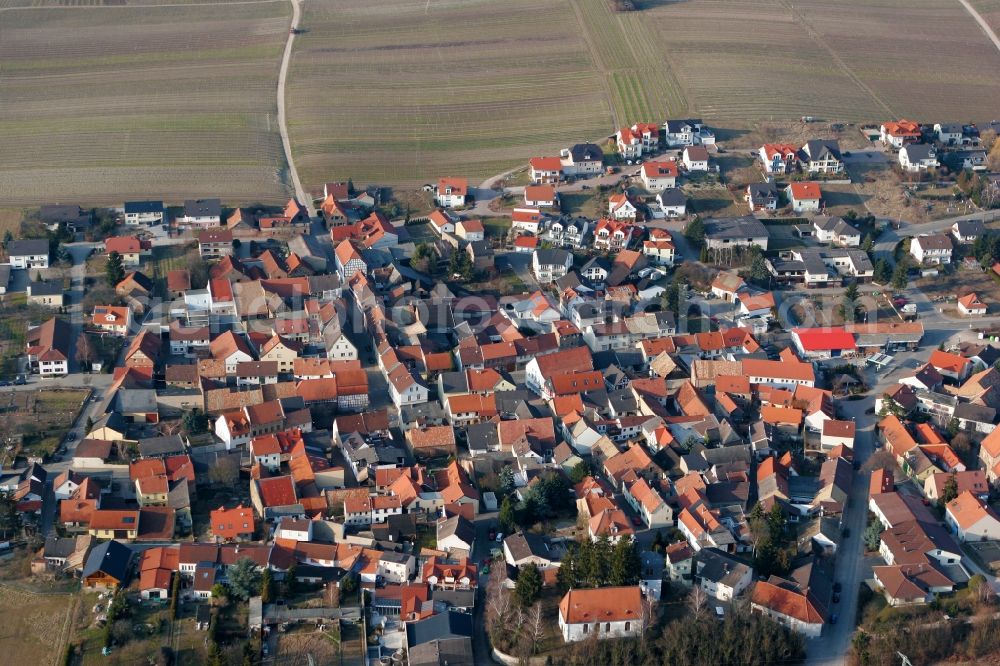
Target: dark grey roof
(978,413)
(744,227)
(457,526)
(451,624)
(444,652)
(454,382)
(143,207)
(155,447)
(586,152)
(456,598)
(202,207)
(758,190)
(482,437)
(46,288)
(674,126)
(55,547)
(526,544)
(920,151)
(672,196)
(112,558)
(821,149)
(951,128)
(55,213)
(835,224)
(719,567)
(131,401)
(969,227)
(33,246)
(596,262)
(552,257)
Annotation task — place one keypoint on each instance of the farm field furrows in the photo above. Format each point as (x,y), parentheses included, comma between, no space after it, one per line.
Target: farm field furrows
(742,61)
(140,102)
(402,92)
(928,60)
(990,11)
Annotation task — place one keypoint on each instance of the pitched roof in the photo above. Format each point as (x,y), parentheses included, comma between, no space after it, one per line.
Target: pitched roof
(967,510)
(606,604)
(786,598)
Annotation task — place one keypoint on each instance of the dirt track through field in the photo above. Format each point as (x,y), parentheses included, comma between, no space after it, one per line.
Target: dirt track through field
(835,57)
(286,56)
(602,67)
(982,23)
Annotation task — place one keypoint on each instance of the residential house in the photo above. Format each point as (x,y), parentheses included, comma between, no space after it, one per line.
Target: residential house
(918,157)
(970,306)
(972,519)
(639,139)
(804,197)
(116,320)
(720,575)
(658,176)
(29,253)
(545,169)
(967,231)
(762,196)
(779,158)
(583,159)
(822,156)
(743,231)
(898,134)
(785,601)
(130,248)
(672,203)
(687,132)
(550,265)
(931,249)
(695,158)
(541,196)
(451,192)
(836,231)
(202,213)
(143,212)
(48,348)
(215,243)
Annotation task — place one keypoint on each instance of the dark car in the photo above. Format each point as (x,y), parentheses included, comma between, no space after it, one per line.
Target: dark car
(836,598)
(837,587)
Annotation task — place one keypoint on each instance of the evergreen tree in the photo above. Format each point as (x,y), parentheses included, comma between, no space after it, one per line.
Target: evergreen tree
(626,566)
(868,243)
(579,472)
(950,490)
(900,276)
(528,585)
(566,573)
(243,578)
(695,231)
(882,272)
(114,269)
(508,516)
(759,273)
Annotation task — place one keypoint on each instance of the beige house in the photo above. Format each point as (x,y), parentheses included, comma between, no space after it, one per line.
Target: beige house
(281,351)
(48,293)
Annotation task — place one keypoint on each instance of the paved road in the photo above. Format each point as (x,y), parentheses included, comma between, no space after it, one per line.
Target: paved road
(286,57)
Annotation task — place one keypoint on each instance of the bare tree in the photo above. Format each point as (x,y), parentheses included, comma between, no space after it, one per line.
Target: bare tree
(698,601)
(225,471)
(534,629)
(84,350)
(648,614)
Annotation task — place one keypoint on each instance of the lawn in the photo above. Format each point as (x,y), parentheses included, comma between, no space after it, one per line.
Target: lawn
(120,102)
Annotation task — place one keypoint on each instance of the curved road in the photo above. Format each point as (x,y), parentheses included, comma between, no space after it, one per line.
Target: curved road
(286,57)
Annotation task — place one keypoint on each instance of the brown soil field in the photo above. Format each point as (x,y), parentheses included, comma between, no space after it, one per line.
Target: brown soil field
(402,93)
(34,626)
(104,104)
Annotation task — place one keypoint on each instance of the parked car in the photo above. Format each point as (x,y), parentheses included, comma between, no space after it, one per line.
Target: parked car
(837,586)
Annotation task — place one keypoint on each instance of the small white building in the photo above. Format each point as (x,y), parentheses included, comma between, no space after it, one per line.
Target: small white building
(451,192)
(658,176)
(696,158)
(918,157)
(971,519)
(932,249)
(608,612)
